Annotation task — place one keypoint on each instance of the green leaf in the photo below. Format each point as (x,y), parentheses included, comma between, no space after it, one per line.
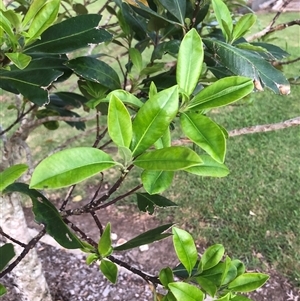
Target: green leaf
(153,119)
(125,154)
(145,238)
(166,276)
(205,133)
(156,181)
(127,98)
(34,8)
(109,270)
(96,71)
(119,122)
(212,256)
(223,16)
(168,159)
(136,59)
(208,286)
(189,63)
(248,282)
(91,258)
(240,298)
(21,60)
(230,272)
(184,291)
(215,274)
(71,34)
(69,167)
(7,27)
(185,248)
(45,17)
(45,213)
(221,93)
(176,7)
(243,25)
(224,298)
(240,267)
(104,245)
(3,290)
(250,64)
(274,50)
(208,168)
(7,253)
(146,202)
(12,173)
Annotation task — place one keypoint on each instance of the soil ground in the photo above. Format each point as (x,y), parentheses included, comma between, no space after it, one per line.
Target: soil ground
(70,279)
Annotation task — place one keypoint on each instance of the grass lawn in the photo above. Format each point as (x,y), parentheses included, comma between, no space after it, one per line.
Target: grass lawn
(255,211)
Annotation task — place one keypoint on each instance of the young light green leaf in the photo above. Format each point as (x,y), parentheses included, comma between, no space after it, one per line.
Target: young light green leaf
(136,59)
(156,181)
(240,298)
(70,34)
(7,253)
(146,202)
(176,7)
(45,17)
(166,276)
(168,159)
(95,71)
(45,213)
(184,291)
(209,168)
(189,63)
(104,245)
(69,167)
(145,238)
(223,16)
(12,173)
(205,133)
(91,258)
(225,298)
(152,90)
(208,286)
(127,98)
(109,270)
(125,154)
(243,25)
(230,272)
(119,122)
(7,27)
(153,119)
(248,282)
(34,8)
(240,267)
(221,93)
(185,248)
(21,60)
(212,256)
(3,290)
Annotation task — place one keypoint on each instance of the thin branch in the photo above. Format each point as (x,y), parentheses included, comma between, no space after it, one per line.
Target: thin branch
(153,279)
(289,62)
(26,250)
(12,239)
(67,198)
(97,221)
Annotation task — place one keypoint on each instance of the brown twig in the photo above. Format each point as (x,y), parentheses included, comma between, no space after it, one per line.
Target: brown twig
(12,239)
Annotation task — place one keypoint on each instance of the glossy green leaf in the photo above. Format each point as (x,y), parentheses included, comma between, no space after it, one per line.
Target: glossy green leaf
(240,298)
(171,47)
(7,253)
(125,154)
(69,167)
(224,298)
(45,17)
(12,173)
(45,213)
(208,168)
(223,16)
(104,245)
(127,98)
(221,93)
(153,119)
(184,291)
(136,59)
(145,238)
(3,290)
(243,25)
(274,50)
(248,282)
(239,266)
(215,274)
(7,27)
(250,64)
(119,122)
(176,7)
(206,285)
(21,60)
(189,63)
(168,159)
(205,133)
(157,181)
(169,297)
(230,272)
(109,270)
(185,248)
(212,256)
(91,258)
(146,202)
(34,8)
(94,70)
(71,34)
(166,276)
